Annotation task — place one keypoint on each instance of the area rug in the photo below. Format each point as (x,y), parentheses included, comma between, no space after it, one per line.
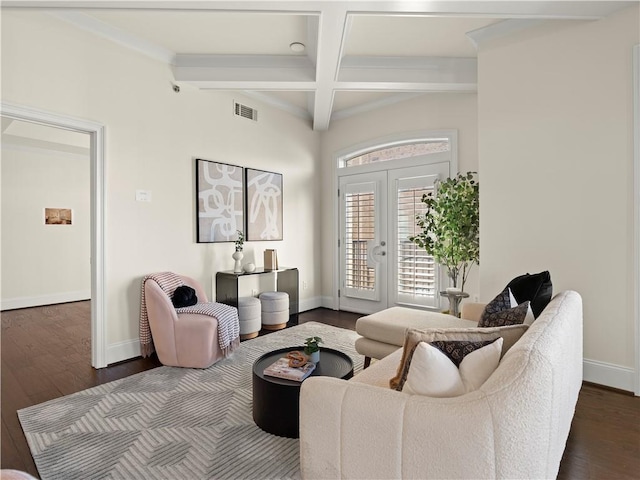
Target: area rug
(172,423)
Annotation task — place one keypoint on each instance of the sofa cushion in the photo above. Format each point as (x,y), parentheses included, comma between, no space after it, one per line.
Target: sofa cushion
(390,325)
(510,335)
(451,368)
(537,288)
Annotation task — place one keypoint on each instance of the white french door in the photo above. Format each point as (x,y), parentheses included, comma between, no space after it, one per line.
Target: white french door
(362,244)
(379,266)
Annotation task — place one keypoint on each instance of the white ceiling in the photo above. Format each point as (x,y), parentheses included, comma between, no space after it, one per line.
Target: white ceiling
(359,55)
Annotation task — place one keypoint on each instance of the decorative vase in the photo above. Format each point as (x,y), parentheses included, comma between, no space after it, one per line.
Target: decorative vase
(315,356)
(237,256)
(249,267)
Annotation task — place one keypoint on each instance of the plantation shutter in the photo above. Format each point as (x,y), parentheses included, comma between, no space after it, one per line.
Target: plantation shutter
(359,235)
(417,280)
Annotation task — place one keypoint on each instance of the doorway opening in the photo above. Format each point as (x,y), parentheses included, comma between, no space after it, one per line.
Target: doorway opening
(95,131)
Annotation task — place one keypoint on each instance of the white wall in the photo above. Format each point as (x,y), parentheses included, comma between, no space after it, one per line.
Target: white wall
(44,264)
(436,111)
(152,138)
(555,149)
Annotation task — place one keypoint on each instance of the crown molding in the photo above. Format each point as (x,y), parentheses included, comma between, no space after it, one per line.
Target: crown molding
(500,29)
(116,35)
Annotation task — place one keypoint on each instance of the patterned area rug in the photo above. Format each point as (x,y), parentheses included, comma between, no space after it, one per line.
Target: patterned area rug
(172,423)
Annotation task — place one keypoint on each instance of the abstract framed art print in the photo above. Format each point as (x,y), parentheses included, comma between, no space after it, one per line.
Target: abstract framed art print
(220,197)
(264,205)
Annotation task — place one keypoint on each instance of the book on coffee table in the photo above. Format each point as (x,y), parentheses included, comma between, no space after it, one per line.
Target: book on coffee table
(281,369)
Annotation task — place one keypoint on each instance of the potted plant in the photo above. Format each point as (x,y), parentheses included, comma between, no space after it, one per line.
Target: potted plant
(237,255)
(451,225)
(239,241)
(312,348)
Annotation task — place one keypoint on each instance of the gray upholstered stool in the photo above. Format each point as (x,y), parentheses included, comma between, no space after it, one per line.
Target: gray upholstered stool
(275,310)
(249,315)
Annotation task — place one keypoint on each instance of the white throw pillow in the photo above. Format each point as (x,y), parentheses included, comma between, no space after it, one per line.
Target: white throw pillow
(433,374)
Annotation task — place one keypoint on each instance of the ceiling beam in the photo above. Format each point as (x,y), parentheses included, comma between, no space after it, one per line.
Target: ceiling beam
(405,87)
(332,32)
(243,68)
(453,70)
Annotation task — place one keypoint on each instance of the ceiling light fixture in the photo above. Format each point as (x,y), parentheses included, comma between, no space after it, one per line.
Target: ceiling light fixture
(297,47)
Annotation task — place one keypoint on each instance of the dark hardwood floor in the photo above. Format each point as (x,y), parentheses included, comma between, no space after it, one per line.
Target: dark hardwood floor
(46,353)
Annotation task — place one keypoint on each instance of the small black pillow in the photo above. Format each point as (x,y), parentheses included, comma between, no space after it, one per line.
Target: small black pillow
(184,296)
(537,288)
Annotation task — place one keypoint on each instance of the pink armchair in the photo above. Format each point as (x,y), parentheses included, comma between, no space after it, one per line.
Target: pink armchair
(181,340)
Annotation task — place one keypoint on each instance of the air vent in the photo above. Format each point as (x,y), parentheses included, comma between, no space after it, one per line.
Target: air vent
(244,111)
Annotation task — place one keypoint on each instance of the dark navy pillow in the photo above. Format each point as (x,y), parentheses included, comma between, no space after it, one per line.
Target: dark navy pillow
(184,296)
(537,288)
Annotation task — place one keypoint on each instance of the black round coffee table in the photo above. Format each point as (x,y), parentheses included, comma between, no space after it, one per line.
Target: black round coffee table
(276,405)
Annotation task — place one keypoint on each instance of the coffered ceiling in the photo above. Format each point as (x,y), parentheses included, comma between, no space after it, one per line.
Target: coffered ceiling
(358,55)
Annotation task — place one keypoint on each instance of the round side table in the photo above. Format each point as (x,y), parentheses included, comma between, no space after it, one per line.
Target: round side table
(454,301)
(276,401)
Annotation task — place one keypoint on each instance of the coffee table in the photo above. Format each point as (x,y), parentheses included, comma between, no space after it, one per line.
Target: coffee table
(276,404)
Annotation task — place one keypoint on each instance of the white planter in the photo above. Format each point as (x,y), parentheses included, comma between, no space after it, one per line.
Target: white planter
(237,256)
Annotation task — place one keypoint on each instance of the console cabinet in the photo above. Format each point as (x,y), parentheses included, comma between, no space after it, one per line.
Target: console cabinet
(228,282)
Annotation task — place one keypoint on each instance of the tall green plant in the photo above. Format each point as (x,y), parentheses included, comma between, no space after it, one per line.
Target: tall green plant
(451,225)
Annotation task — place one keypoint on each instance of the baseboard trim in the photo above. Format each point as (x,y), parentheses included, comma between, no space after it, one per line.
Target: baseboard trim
(327,302)
(52,299)
(310,304)
(118,352)
(608,374)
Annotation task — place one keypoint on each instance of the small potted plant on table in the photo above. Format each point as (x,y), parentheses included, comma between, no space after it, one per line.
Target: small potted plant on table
(238,255)
(312,348)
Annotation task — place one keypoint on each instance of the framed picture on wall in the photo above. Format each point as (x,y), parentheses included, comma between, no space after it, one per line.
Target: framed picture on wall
(57,216)
(264,205)
(220,196)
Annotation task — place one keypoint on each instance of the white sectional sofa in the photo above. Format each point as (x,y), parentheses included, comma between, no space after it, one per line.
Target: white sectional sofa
(515,426)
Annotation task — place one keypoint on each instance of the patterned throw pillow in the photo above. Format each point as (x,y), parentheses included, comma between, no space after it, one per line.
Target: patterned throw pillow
(503,310)
(510,335)
(451,368)
(456,350)
(511,316)
(498,304)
